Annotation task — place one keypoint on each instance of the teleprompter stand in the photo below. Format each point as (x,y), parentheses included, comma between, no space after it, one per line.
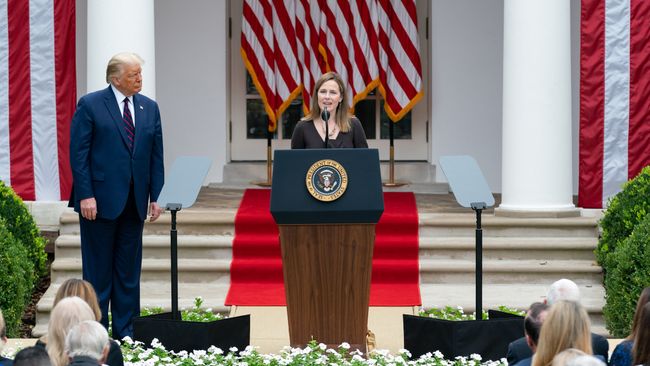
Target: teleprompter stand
(182,186)
(472,191)
(489,338)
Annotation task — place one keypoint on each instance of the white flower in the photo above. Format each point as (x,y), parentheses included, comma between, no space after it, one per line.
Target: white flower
(475,356)
(232,349)
(438,354)
(322,346)
(345,345)
(405,352)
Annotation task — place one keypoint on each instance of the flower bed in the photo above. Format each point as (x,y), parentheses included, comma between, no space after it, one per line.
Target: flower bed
(316,354)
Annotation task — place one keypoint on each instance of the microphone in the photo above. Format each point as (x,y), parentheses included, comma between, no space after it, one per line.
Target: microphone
(325,116)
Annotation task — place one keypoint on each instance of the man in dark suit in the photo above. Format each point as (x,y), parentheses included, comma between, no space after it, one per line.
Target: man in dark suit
(532,325)
(567,290)
(116,155)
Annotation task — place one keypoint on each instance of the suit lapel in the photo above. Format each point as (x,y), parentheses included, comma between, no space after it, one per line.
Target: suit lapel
(114,111)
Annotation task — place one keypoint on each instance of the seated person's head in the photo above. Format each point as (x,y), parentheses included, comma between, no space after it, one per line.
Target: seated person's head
(576,357)
(563,290)
(32,356)
(641,347)
(80,288)
(69,312)
(644,298)
(535,316)
(3,332)
(566,326)
(89,339)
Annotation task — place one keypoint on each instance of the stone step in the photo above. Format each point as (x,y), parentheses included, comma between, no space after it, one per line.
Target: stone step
(190,222)
(216,271)
(508,247)
(509,271)
(153,294)
(446,225)
(158,246)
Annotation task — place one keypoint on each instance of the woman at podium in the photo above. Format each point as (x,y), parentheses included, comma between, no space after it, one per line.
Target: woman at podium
(329,124)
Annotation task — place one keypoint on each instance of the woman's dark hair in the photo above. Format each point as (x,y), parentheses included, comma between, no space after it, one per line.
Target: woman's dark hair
(644,298)
(641,348)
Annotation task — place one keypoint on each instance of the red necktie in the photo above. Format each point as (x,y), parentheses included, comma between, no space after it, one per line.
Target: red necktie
(128,125)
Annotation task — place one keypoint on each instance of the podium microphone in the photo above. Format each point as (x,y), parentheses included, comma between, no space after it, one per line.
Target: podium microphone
(325,116)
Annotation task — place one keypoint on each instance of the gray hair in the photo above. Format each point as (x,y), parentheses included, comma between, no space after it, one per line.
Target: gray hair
(586,360)
(114,67)
(88,338)
(563,289)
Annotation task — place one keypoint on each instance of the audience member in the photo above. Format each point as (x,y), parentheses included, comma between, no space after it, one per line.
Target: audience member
(576,357)
(87,344)
(32,356)
(566,326)
(3,340)
(622,355)
(84,290)
(563,290)
(532,324)
(69,312)
(641,347)
(560,290)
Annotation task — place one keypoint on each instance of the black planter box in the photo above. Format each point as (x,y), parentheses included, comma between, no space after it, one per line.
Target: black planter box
(488,338)
(178,335)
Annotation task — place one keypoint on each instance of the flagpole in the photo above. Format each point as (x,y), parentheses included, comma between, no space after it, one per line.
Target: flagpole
(269,160)
(391,164)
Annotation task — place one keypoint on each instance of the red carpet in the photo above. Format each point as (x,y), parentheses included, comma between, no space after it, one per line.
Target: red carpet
(256,270)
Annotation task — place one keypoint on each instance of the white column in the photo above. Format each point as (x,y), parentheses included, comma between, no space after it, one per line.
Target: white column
(536,161)
(118,26)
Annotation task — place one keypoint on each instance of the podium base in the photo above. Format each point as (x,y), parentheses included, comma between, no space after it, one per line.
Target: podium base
(394,184)
(326,299)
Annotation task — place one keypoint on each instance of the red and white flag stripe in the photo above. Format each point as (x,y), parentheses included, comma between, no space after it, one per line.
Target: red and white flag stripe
(37,96)
(614,96)
(399,54)
(370,43)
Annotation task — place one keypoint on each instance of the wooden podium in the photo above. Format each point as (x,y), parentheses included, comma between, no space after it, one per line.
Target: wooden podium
(327,242)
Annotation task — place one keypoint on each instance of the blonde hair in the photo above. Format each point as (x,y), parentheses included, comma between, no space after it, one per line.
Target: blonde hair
(82,289)
(69,312)
(116,63)
(566,326)
(342,115)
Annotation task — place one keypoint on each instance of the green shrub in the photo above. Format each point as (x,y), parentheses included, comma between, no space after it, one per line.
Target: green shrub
(21,224)
(16,281)
(625,211)
(627,276)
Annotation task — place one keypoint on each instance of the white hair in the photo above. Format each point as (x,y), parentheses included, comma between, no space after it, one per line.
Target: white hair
(563,289)
(88,338)
(585,360)
(117,62)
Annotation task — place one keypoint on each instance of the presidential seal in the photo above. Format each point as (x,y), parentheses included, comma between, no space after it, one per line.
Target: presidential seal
(326,180)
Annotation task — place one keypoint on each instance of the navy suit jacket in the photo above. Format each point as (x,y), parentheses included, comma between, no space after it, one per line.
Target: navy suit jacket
(102,164)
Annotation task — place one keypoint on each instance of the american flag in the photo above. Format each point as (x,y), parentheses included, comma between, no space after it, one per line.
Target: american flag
(37,96)
(286,45)
(614,96)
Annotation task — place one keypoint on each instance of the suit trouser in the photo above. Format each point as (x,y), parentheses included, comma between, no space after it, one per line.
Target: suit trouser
(111,253)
